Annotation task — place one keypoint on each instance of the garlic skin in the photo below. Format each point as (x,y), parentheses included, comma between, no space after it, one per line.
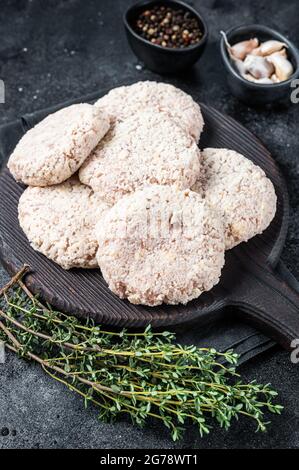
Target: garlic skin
(242,49)
(283,67)
(268,47)
(258,67)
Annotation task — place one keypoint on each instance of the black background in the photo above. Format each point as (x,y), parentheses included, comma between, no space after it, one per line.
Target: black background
(54,50)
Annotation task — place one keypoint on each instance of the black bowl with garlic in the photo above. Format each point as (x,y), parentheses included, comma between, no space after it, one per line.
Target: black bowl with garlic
(260,62)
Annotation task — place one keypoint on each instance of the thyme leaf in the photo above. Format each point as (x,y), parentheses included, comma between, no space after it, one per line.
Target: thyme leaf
(143,375)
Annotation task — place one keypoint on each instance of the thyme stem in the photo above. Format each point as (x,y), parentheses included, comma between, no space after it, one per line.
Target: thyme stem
(141,374)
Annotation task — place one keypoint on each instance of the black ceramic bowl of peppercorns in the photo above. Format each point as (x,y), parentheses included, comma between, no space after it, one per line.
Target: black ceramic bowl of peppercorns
(167,36)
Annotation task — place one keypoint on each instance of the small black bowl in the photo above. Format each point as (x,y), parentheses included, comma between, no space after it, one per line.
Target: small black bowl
(157,58)
(254,93)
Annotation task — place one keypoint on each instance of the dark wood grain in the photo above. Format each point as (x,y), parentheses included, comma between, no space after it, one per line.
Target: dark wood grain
(248,280)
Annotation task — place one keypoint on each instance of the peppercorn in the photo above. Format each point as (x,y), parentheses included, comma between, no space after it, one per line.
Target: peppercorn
(168,27)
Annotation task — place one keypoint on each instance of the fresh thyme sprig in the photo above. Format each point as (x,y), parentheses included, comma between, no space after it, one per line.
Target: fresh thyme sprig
(139,374)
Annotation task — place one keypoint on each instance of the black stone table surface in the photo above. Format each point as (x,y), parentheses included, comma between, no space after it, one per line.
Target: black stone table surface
(55,50)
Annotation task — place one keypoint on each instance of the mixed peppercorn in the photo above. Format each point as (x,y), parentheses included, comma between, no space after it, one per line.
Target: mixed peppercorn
(167,27)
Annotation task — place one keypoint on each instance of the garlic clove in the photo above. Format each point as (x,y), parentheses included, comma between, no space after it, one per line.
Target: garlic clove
(283,67)
(282,53)
(248,77)
(272,46)
(258,67)
(239,65)
(256,51)
(268,47)
(241,49)
(262,81)
(274,78)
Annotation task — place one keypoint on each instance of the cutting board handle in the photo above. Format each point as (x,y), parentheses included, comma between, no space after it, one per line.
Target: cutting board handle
(270,300)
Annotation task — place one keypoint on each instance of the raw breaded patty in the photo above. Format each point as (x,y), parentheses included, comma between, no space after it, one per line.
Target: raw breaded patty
(59,222)
(144,149)
(55,148)
(160,245)
(241,190)
(125,101)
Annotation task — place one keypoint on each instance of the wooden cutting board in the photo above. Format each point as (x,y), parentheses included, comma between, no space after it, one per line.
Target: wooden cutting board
(248,280)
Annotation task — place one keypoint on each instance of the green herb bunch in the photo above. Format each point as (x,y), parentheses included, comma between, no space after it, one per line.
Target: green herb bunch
(143,375)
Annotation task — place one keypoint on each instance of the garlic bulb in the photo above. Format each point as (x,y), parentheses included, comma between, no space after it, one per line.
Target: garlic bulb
(258,67)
